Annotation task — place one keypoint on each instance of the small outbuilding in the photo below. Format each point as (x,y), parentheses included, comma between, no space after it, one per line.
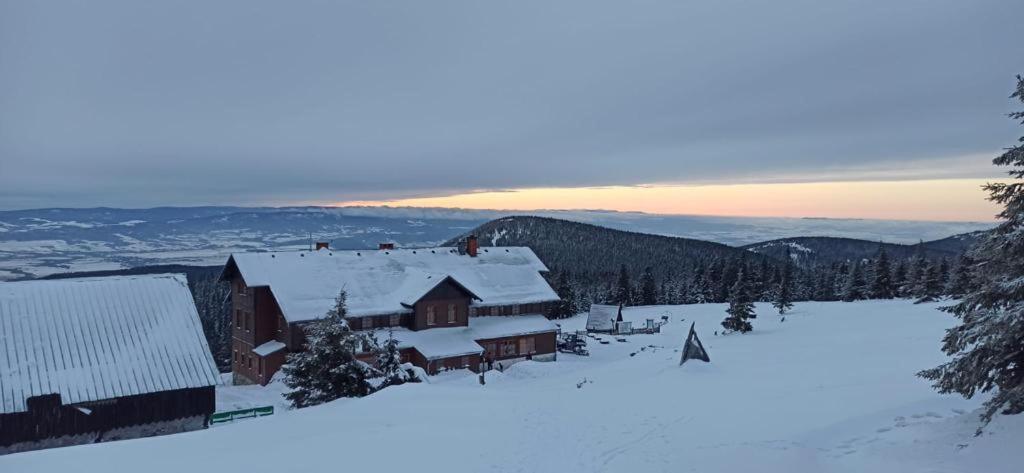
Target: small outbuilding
(96,359)
(603,318)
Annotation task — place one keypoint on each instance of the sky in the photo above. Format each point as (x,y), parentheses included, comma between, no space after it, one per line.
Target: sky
(786,108)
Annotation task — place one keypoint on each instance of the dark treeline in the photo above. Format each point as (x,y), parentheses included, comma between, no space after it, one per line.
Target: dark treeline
(592,264)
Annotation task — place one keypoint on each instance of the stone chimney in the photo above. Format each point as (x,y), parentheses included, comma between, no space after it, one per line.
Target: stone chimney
(386,246)
(472,246)
(322,245)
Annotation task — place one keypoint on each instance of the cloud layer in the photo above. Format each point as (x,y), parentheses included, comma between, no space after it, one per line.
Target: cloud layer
(142,103)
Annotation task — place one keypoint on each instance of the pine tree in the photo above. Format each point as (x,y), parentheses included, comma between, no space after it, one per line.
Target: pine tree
(648,290)
(328,368)
(389,363)
(916,273)
(784,292)
(567,304)
(741,308)
(624,289)
(960,281)
(899,279)
(929,286)
(881,282)
(854,289)
(988,346)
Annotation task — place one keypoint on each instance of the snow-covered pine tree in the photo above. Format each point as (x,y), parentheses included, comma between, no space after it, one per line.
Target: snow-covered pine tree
(916,273)
(899,279)
(960,280)
(929,286)
(328,368)
(854,289)
(624,289)
(783,299)
(389,363)
(648,289)
(741,308)
(566,305)
(881,282)
(988,346)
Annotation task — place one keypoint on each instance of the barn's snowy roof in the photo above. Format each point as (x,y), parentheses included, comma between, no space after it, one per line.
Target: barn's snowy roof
(99,338)
(602,317)
(448,342)
(386,281)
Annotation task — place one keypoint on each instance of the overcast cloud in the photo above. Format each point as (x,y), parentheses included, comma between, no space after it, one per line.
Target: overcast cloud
(131,103)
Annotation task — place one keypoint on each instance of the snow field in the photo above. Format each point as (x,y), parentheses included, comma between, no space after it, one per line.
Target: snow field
(831,389)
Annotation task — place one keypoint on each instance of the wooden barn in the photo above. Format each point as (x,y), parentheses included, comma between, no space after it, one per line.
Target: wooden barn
(97,359)
(449,308)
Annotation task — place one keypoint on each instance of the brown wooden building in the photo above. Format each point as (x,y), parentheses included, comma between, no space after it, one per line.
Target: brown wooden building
(97,359)
(449,309)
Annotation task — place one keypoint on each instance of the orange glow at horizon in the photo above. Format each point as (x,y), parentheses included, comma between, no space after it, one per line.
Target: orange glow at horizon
(938,199)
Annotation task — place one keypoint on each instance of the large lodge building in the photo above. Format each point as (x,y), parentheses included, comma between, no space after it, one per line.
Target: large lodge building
(449,308)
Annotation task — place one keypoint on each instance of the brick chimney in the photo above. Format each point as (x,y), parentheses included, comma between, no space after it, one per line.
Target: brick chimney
(472,246)
(386,246)
(322,245)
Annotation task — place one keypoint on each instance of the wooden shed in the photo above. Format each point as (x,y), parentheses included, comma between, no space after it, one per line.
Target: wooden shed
(97,359)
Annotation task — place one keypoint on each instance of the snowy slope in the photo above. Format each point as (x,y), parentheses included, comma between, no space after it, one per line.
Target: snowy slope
(831,389)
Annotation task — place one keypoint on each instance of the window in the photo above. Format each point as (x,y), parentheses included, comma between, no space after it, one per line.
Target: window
(251,325)
(515,309)
(234,357)
(508,348)
(527,346)
(451,313)
(281,324)
(241,289)
(248,360)
(491,349)
(367,323)
(494,310)
(431,319)
(395,320)
(245,321)
(238,318)
(465,362)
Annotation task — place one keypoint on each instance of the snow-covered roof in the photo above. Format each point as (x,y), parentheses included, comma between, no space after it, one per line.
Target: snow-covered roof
(268,348)
(381,281)
(90,339)
(506,326)
(448,342)
(438,342)
(602,317)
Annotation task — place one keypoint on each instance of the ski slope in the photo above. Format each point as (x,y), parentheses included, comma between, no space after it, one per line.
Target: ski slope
(831,389)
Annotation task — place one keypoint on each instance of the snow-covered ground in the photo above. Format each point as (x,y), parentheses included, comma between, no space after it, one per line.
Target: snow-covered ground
(831,389)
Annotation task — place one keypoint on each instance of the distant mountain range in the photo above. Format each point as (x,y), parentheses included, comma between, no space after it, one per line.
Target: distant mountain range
(39,242)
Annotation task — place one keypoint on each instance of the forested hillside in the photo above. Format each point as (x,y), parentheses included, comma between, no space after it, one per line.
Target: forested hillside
(594,264)
(813,251)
